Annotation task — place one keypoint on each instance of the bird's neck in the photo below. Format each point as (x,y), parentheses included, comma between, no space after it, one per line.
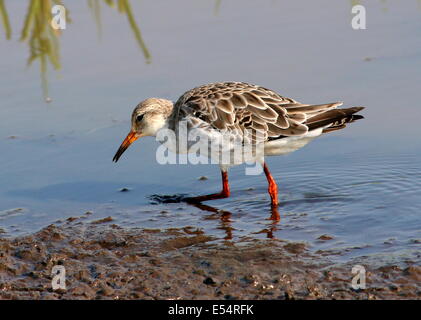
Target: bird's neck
(164,121)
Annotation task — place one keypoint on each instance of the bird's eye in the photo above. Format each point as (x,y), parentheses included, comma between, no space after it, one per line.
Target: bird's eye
(139,117)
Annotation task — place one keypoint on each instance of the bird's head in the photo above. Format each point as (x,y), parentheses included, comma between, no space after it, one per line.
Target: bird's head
(148,118)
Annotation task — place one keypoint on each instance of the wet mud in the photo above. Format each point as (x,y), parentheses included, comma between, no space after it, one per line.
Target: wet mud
(105,261)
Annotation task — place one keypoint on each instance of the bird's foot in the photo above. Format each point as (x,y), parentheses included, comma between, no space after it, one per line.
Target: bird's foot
(213,196)
(174,198)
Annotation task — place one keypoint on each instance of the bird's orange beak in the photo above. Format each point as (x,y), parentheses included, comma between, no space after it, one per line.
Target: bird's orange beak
(131,137)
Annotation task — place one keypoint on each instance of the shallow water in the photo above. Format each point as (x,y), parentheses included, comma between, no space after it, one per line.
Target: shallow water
(360,186)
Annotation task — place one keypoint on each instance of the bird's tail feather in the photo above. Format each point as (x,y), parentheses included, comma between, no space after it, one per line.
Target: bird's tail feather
(335,119)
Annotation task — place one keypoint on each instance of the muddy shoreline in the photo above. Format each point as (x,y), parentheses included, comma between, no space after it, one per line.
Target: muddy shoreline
(104,261)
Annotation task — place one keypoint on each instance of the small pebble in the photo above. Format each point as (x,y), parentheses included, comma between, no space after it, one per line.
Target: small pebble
(325,237)
(107,219)
(209,281)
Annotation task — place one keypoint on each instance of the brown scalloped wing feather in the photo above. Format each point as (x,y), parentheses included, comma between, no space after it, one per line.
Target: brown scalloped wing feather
(238,106)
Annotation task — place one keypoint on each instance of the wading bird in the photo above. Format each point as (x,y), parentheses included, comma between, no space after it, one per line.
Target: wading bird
(253,115)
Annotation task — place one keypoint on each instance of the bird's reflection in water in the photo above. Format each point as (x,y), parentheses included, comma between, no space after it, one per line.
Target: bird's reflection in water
(223,216)
(226,222)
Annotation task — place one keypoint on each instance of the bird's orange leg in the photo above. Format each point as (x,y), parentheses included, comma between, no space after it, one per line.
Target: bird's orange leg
(273,188)
(225,193)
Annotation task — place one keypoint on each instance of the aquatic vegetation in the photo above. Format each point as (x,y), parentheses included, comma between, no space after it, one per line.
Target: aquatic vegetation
(43,40)
(217,7)
(5,20)
(124,7)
